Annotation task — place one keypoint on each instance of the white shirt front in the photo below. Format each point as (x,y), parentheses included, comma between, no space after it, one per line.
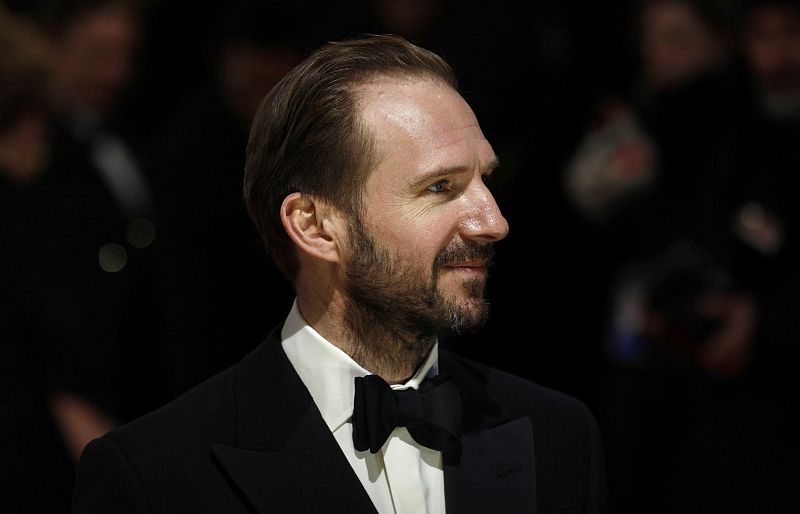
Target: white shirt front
(403,477)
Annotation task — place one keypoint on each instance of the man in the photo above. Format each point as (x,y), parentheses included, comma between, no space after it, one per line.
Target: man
(365,176)
(97,251)
(771,48)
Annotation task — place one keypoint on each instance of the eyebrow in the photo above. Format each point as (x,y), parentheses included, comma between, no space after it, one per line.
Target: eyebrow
(438,173)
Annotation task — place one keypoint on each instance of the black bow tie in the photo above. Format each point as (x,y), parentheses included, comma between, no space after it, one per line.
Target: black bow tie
(432,414)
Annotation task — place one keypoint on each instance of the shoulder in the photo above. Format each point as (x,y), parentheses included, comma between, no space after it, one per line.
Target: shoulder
(200,414)
(564,429)
(164,461)
(161,460)
(568,450)
(105,481)
(517,396)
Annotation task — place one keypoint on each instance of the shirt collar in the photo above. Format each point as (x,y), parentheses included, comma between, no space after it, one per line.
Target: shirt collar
(328,373)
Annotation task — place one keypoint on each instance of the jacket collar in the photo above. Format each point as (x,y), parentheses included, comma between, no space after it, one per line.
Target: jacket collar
(283,447)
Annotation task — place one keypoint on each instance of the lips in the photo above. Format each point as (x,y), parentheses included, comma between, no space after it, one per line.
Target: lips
(465,257)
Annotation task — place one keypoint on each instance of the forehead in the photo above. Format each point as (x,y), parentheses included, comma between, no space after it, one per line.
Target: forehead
(421,124)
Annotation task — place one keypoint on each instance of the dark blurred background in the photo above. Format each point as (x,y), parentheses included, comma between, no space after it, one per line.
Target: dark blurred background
(650,160)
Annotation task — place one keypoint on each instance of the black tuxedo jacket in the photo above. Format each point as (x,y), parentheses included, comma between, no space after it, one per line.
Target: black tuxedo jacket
(252,440)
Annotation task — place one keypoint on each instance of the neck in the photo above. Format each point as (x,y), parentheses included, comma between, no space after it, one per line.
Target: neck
(394,352)
(372,339)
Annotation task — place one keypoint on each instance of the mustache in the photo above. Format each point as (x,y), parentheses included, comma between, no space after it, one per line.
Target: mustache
(462,251)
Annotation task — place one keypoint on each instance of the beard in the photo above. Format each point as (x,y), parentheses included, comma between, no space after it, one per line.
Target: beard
(384,290)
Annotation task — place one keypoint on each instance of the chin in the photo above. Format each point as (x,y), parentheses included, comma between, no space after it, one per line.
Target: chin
(470,320)
(467,312)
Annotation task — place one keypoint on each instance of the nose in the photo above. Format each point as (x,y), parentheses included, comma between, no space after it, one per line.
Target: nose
(483,221)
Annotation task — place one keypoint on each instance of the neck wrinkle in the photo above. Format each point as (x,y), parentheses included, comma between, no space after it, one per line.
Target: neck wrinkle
(384,347)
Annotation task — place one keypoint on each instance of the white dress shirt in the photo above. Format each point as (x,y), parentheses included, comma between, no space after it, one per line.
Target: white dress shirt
(403,477)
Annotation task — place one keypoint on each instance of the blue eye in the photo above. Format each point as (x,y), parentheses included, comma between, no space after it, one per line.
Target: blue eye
(440,187)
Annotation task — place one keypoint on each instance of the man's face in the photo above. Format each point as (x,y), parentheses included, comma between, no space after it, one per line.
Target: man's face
(676,45)
(419,256)
(772,48)
(94,60)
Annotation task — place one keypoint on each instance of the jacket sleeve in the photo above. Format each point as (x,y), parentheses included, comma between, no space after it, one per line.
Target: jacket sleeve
(106,482)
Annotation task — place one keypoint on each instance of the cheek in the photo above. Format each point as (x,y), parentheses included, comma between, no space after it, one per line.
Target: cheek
(418,246)
(415,229)
(407,233)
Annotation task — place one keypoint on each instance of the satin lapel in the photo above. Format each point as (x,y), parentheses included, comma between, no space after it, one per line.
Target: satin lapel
(285,458)
(495,471)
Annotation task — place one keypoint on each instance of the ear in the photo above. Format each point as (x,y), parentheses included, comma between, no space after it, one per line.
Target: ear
(313,225)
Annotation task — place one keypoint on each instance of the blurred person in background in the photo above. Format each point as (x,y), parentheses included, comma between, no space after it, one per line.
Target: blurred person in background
(771,45)
(675,111)
(24,102)
(759,208)
(695,262)
(763,215)
(37,469)
(94,43)
(94,46)
(105,215)
(681,40)
(219,291)
(652,175)
(647,176)
(77,257)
